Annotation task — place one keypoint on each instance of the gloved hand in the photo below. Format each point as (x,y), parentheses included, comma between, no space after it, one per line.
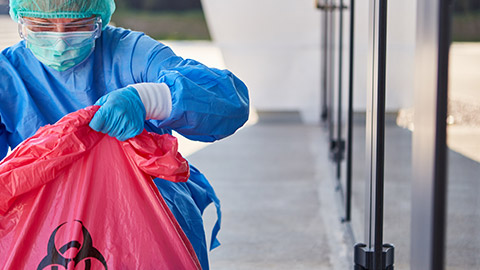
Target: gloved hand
(121,115)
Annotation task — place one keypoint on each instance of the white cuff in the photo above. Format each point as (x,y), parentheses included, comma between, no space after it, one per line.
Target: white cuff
(156,98)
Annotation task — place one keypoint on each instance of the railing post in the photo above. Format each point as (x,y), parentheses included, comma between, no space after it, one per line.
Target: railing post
(338,148)
(330,71)
(429,185)
(324,109)
(348,189)
(374,254)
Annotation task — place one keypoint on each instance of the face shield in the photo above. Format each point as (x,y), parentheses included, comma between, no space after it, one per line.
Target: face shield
(60,43)
(93,23)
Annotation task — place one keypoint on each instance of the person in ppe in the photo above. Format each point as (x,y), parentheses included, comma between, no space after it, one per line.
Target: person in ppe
(70,58)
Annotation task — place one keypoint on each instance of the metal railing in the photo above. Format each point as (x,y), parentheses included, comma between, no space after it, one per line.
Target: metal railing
(335,133)
(428,206)
(374,254)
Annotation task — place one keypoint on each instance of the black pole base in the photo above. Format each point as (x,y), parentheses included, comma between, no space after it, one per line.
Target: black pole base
(337,150)
(363,257)
(324,115)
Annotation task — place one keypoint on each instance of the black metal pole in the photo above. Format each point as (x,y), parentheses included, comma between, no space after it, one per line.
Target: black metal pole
(324,113)
(348,203)
(375,255)
(440,173)
(331,63)
(340,144)
(380,149)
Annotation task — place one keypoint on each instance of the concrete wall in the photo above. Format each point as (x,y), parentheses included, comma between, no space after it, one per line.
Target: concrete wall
(274,46)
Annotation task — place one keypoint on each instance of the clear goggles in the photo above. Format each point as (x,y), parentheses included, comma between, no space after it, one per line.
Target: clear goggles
(75,33)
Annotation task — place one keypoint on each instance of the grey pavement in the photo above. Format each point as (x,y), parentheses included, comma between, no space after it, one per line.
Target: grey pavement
(278,197)
(463,215)
(282,211)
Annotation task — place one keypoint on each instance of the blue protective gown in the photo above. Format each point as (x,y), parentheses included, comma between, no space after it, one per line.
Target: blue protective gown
(207,104)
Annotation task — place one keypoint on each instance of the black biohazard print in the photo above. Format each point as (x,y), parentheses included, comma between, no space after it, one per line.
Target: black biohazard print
(86,252)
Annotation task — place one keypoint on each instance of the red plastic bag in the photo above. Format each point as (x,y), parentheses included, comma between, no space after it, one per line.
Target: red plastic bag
(73,198)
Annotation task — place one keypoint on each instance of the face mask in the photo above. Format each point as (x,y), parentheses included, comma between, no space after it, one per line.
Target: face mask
(61,50)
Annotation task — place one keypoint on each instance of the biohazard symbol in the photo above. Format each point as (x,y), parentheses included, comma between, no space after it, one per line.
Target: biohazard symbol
(57,259)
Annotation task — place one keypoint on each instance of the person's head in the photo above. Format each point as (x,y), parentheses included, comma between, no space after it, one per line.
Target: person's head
(61,33)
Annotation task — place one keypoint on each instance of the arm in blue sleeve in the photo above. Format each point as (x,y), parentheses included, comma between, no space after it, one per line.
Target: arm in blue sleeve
(208,104)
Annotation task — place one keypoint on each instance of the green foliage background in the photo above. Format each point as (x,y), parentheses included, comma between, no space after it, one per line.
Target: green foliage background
(184,19)
(163,19)
(159,5)
(466,20)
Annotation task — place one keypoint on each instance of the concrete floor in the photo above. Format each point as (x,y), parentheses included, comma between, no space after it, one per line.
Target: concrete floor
(282,211)
(278,197)
(463,216)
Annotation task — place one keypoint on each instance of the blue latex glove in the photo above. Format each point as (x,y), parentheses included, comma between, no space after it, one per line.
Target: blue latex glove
(121,114)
